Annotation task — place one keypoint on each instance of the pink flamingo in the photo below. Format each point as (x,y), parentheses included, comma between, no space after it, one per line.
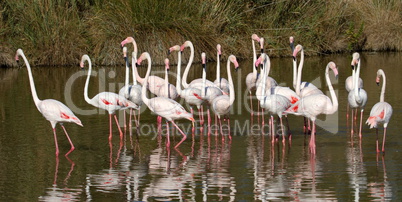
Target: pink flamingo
(251,78)
(313,105)
(274,103)
(192,96)
(221,83)
(162,106)
(381,111)
(349,83)
(196,83)
(222,104)
(357,98)
(155,82)
(53,110)
(106,100)
(131,92)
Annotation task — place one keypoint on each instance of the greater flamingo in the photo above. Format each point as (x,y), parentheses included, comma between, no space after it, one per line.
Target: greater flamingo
(131,92)
(220,82)
(196,83)
(162,106)
(381,112)
(274,103)
(313,105)
(191,95)
(357,98)
(108,101)
(252,77)
(53,110)
(222,104)
(155,82)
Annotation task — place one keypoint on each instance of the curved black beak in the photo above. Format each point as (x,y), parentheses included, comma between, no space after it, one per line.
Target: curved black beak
(353,67)
(378,83)
(292,46)
(168,52)
(294,58)
(262,50)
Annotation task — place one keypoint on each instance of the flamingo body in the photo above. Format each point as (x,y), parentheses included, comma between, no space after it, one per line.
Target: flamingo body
(380,114)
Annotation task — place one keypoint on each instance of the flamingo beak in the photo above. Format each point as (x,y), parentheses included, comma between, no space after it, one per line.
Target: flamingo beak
(294,58)
(292,46)
(169,52)
(262,50)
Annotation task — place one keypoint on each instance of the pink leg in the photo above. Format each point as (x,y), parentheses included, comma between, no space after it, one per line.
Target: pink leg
(312,139)
(167,135)
(110,127)
(202,114)
(283,133)
(263,119)
(351,130)
(347,112)
(377,148)
(55,141)
(272,129)
(209,122)
(355,117)
(184,135)
(361,118)
(130,123)
(71,143)
(383,140)
(117,123)
(251,105)
(230,136)
(220,128)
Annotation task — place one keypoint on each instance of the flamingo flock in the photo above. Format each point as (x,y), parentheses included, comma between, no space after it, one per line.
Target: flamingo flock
(304,100)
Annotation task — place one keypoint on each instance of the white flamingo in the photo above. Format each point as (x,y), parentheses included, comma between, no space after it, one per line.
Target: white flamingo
(313,105)
(108,101)
(192,96)
(53,110)
(222,104)
(349,83)
(155,82)
(357,98)
(131,92)
(220,82)
(274,103)
(162,106)
(196,83)
(381,112)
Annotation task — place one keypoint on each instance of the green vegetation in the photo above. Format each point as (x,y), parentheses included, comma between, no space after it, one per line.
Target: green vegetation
(59,32)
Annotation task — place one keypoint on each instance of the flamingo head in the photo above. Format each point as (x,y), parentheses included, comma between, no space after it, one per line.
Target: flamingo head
(233,60)
(204,60)
(262,44)
(173,48)
(292,43)
(255,37)
(297,49)
(127,40)
(332,65)
(219,49)
(355,60)
(377,79)
(142,57)
(185,45)
(19,52)
(167,64)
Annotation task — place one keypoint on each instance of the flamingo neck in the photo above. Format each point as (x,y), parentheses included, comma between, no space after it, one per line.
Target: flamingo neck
(254,59)
(204,78)
(231,88)
(127,78)
(134,67)
(178,80)
(294,74)
(355,82)
(384,83)
(31,80)
(334,99)
(267,66)
(145,84)
(86,58)
(189,63)
(218,69)
(167,83)
(299,72)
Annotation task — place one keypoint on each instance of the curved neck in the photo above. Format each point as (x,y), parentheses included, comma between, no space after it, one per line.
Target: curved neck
(178,79)
(134,68)
(254,59)
(190,61)
(86,58)
(299,72)
(204,78)
(218,69)
(145,84)
(334,99)
(231,86)
(31,80)
(384,83)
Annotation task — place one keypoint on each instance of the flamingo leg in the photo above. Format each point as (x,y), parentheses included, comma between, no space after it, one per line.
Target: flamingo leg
(347,112)
(283,133)
(220,128)
(55,142)
(251,104)
(209,122)
(361,118)
(272,129)
(230,136)
(312,139)
(69,140)
(355,117)
(376,131)
(351,130)
(263,119)
(167,135)
(201,111)
(184,135)
(383,140)
(117,123)
(110,127)
(129,123)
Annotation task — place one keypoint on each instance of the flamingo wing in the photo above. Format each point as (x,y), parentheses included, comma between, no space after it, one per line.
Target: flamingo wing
(55,111)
